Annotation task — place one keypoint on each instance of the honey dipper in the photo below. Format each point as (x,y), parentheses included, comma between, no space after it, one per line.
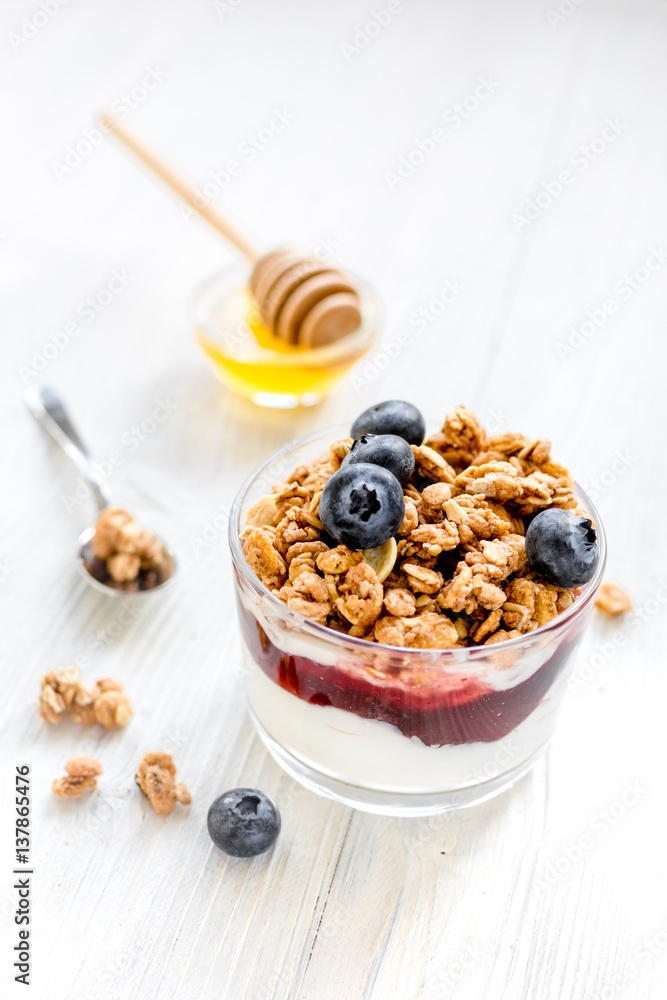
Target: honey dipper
(303,301)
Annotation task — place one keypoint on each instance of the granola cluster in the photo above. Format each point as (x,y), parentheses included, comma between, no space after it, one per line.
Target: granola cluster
(126,555)
(612,600)
(156,778)
(64,692)
(459,576)
(81,776)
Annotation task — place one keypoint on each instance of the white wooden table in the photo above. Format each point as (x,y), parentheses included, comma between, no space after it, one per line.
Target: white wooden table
(554,890)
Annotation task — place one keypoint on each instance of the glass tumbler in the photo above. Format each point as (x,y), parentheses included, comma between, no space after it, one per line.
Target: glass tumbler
(387,729)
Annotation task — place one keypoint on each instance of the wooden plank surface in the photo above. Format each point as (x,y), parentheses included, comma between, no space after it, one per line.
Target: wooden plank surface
(501,901)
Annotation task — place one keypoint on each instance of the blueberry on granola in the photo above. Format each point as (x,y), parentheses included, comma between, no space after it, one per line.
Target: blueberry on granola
(386,450)
(243,822)
(562,547)
(362,505)
(394,416)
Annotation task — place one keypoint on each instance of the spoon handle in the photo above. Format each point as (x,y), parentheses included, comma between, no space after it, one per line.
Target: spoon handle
(48,409)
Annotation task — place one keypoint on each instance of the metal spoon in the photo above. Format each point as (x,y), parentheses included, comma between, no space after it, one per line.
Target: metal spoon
(48,409)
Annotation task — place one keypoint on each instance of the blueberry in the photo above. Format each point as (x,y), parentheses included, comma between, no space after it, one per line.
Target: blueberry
(562,547)
(394,416)
(243,822)
(387,450)
(362,505)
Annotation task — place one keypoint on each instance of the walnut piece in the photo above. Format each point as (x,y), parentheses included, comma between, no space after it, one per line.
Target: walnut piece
(360,602)
(500,635)
(400,603)
(309,595)
(426,631)
(338,560)
(108,529)
(612,599)
(112,708)
(437,495)
(485,628)
(496,560)
(468,591)
(435,538)
(431,465)
(51,704)
(156,778)
(82,773)
(123,566)
(298,525)
(496,480)
(530,604)
(127,548)
(460,439)
(301,556)
(265,560)
(287,496)
(411,519)
(63,691)
(421,579)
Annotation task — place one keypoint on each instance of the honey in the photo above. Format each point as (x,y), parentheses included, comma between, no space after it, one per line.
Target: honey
(254,363)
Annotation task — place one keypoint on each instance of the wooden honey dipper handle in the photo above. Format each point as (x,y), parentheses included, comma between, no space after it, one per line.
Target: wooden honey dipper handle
(180,186)
(301,300)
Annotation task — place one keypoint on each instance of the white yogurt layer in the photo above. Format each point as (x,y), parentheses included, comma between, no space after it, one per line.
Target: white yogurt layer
(366,752)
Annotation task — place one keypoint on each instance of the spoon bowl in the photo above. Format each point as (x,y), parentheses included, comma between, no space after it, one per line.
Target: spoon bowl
(48,410)
(89,567)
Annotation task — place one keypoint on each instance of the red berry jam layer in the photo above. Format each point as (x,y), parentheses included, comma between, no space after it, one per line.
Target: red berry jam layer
(447,709)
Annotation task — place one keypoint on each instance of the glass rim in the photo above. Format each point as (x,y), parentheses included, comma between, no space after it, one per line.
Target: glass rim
(363,645)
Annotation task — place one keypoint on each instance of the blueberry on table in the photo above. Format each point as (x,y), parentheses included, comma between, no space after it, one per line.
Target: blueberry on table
(394,416)
(387,450)
(243,822)
(362,505)
(562,547)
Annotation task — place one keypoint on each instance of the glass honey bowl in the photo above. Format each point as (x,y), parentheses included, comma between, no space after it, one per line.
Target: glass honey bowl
(253,362)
